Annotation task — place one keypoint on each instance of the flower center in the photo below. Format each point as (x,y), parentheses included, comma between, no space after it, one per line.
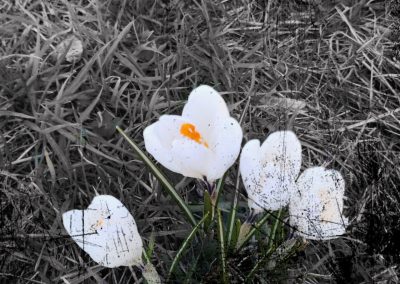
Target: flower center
(189,130)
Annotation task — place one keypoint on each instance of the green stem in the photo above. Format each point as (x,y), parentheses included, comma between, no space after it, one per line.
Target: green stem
(222,247)
(164,181)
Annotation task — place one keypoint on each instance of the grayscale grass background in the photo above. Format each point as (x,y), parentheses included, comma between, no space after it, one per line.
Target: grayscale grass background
(329,70)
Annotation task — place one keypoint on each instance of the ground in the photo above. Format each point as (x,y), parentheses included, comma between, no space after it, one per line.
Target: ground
(328,70)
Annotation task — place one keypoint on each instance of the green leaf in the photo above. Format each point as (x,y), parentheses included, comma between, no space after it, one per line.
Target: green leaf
(150,247)
(159,175)
(270,248)
(254,229)
(271,237)
(221,239)
(243,233)
(208,209)
(231,223)
(185,244)
(217,191)
(146,256)
(235,234)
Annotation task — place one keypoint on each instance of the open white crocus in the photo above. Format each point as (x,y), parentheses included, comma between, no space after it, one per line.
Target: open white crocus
(316,205)
(201,143)
(269,171)
(106,231)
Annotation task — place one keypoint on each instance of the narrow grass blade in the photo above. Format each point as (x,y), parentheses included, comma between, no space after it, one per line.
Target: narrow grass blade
(284,252)
(214,199)
(189,278)
(243,233)
(255,228)
(158,174)
(275,256)
(82,75)
(259,263)
(231,223)
(150,247)
(185,245)
(221,239)
(218,190)
(146,256)
(235,234)
(271,236)
(208,209)
(270,250)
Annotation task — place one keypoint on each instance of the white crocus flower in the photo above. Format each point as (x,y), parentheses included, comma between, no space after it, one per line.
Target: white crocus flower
(201,143)
(106,231)
(269,171)
(316,205)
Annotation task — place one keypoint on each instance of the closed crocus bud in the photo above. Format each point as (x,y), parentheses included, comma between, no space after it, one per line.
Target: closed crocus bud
(316,205)
(269,170)
(106,231)
(201,143)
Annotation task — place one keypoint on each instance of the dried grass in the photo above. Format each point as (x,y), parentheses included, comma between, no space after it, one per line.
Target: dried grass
(328,71)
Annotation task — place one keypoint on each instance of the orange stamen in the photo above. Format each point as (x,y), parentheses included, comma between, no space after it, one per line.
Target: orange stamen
(189,130)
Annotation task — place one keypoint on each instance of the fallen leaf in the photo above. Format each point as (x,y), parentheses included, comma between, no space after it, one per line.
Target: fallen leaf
(72,48)
(286,103)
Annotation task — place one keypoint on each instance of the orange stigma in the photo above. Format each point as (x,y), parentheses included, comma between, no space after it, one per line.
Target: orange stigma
(189,130)
(99,223)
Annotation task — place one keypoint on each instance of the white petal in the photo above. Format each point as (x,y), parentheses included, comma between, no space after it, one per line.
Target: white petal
(316,206)
(283,149)
(276,188)
(249,167)
(269,171)
(192,157)
(267,188)
(225,146)
(168,128)
(158,139)
(203,106)
(106,231)
(219,135)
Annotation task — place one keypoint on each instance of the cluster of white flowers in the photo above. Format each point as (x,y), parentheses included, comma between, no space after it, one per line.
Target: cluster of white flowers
(315,198)
(203,143)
